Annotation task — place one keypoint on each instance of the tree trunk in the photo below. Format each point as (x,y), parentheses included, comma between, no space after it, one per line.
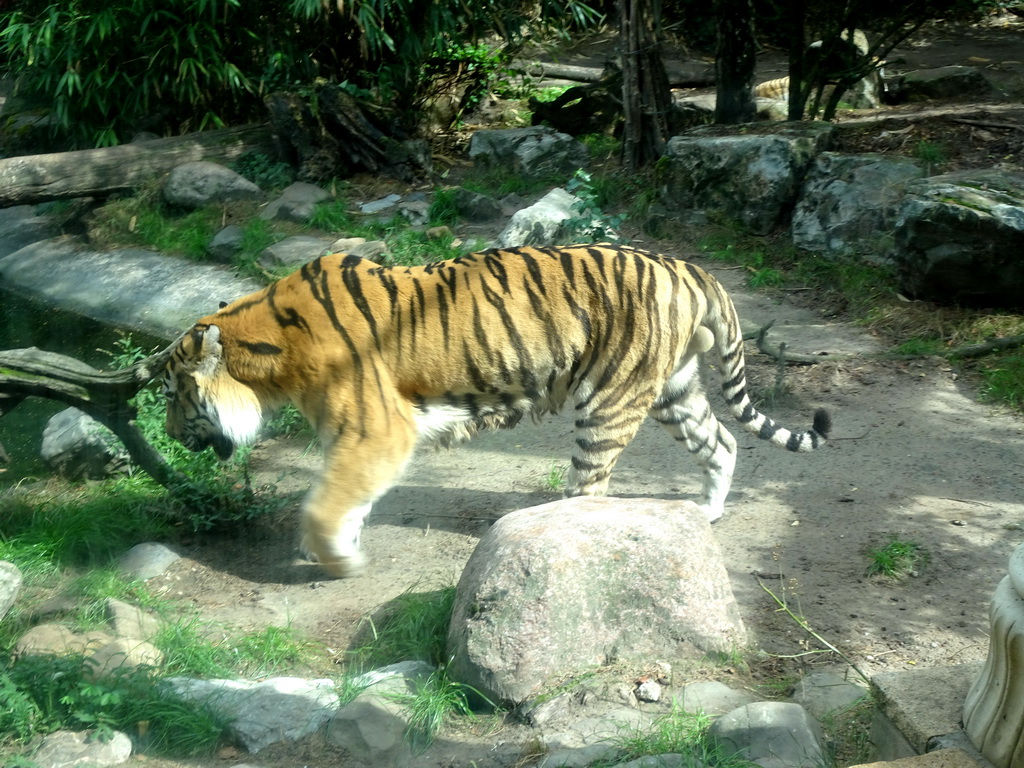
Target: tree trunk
(646,99)
(798,87)
(734,64)
(33,179)
(330,135)
(102,395)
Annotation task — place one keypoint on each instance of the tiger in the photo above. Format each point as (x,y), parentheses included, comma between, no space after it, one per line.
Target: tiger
(381,359)
(773,89)
(833,66)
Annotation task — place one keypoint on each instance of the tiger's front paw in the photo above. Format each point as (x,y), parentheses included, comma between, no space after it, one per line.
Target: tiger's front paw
(712,513)
(345,567)
(339,565)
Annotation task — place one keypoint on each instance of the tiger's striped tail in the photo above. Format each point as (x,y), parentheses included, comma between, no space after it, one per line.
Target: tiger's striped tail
(725,325)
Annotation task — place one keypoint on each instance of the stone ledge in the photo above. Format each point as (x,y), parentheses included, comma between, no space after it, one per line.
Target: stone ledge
(920,705)
(920,709)
(944,758)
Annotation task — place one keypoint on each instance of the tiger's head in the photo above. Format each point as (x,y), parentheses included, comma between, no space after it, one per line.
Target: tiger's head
(206,405)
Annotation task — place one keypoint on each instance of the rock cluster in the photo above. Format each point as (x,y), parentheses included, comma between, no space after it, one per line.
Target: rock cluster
(607,571)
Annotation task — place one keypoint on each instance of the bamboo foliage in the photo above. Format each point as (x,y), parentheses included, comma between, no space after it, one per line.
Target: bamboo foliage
(105,70)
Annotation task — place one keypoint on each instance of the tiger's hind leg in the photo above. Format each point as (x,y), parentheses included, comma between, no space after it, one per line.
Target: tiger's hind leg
(685,413)
(604,427)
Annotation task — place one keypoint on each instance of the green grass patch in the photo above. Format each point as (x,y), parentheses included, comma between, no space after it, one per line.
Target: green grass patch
(921,346)
(47,530)
(897,559)
(848,733)
(678,732)
(333,216)
(265,172)
(193,648)
(413,626)
(554,480)
(143,220)
(603,147)
(443,209)
(409,248)
(45,694)
(435,703)
(1003,379)
(501,182)
(773,262)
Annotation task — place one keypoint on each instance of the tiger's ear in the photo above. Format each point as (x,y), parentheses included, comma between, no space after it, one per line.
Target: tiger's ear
(223,304)
(209,350)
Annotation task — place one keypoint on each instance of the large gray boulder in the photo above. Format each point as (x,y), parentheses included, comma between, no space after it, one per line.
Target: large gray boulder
(76,446)
(293,252)
(773,734)
(960,238)
(372,727)
(749,174)
(538,152)
(941,83)
(566,587)
(297,203)
(266,712)
(89,749)
(22,225)
(129,288)
(543,223)
(201,183)
(10,586)
(848,204)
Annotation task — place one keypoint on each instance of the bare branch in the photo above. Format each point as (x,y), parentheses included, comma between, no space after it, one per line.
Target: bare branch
(103,395)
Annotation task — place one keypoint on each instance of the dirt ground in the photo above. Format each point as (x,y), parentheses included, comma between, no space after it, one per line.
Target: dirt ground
(913,454)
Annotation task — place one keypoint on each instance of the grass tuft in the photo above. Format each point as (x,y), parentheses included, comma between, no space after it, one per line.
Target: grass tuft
(898,559)
(413,626)
(682,733)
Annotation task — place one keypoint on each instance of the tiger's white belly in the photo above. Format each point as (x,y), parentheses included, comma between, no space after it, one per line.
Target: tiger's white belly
(446,423)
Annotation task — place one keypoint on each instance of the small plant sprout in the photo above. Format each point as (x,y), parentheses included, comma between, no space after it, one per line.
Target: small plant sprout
(588,223)
(555,478)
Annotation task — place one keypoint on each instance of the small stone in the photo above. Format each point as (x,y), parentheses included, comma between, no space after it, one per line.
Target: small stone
(67,749)
(123,655)
(648,690)
(148,559)
(377,206)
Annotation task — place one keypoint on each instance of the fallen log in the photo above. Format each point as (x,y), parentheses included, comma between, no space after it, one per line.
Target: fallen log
(681,74)
(557,70)
(31,179)
(102,395)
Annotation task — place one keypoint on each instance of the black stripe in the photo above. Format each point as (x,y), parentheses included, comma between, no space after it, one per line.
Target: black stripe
(354,286)
(599,446)
(748,415)
(261,347)
(498,272)
(442,311)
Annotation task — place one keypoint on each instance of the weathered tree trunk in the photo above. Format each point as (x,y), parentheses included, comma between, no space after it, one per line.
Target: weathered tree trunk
(558,70)
(798,87)
(681,74)
(646,98)
(33,179)
(102,395)
(591,108)
(735,62)
(330,135)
